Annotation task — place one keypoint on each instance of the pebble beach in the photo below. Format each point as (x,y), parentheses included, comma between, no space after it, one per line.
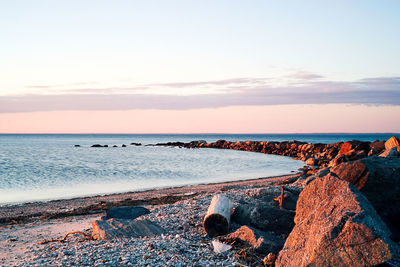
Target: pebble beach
(183,244)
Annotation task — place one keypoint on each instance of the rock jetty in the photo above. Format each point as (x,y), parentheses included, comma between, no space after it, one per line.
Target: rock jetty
(317,155)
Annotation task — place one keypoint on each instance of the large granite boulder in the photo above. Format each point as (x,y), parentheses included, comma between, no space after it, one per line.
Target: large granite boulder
(336,226)
(104,229)
(379,180)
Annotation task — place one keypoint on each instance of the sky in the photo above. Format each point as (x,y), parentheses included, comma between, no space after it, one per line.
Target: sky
(199,66)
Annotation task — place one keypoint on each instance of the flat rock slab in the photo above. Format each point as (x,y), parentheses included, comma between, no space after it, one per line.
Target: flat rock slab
(120,228)
(129,213)
(336,226)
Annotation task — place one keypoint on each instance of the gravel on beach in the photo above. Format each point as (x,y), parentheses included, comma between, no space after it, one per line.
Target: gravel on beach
(183,244)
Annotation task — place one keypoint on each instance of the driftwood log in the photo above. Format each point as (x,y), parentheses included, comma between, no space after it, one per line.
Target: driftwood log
(85,236)
(218,216)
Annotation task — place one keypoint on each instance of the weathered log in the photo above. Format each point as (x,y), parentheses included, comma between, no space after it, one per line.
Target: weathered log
(218,216)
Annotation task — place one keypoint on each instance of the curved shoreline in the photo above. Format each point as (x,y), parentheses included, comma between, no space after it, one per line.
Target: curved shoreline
(26,212)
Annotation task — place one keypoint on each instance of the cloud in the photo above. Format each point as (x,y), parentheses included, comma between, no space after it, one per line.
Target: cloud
(305,75)
(38,86)
(216,82)
(375,91)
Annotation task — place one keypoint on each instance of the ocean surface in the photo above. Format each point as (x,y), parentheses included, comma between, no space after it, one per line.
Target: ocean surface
(40,167)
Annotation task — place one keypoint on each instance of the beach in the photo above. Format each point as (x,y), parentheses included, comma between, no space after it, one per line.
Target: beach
(179,211)
(345,198)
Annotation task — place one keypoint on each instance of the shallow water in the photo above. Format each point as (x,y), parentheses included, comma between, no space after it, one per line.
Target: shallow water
(45,167)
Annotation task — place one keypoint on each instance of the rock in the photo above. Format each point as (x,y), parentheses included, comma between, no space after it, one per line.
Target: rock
(262,212)
(136,144)
(123,145)
(96,145)
(269,260)
(113,229)
(337,160)
(311,162)
(376,147)
(345,148)
(392,152)
(261,241)
(129,213)
(115,146)
(392,142)
(379,180)
(77,145)
(336,226)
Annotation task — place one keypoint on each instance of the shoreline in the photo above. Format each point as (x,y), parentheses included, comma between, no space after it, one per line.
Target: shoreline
(61,208)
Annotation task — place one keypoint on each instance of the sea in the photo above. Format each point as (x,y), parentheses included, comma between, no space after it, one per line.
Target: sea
(43,167)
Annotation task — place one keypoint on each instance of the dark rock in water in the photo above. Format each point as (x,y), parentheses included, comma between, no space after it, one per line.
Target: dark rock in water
(123,145)
(96,145)
(136,144)
(261,241)
(336,226)
(129,213)
(379,180)
(115,146)
(77,146)
(105,146)
(120,228)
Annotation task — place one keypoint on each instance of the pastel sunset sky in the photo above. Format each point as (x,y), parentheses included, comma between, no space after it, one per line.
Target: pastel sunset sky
(199,66)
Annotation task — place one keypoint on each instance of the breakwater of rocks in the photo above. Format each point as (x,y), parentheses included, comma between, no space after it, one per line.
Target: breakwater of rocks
(318,154)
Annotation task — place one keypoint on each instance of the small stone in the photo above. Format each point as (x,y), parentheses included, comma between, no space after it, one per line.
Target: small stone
(68,253)
(269,260)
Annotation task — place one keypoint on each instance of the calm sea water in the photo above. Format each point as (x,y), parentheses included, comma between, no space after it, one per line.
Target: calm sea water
(46,167)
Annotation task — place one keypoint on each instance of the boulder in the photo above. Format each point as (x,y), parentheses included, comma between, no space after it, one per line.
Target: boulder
(96,145)
(379,180)
(261,241)
(392,152)
(337,160)
(129,213)
(121,228)
(312,161)
(392,142)
(376,147)
(262,212)
(136,144)
(336,226)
